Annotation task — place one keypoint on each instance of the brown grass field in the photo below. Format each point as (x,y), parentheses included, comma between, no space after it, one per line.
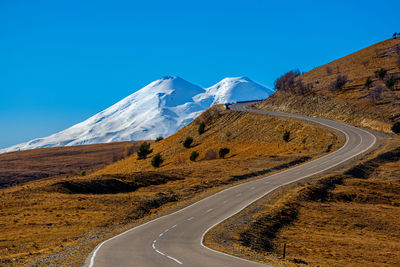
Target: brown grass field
(349,218)
(60,220)
(30,165)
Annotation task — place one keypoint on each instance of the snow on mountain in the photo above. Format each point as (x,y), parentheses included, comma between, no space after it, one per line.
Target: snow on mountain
(235,89)
(158,109)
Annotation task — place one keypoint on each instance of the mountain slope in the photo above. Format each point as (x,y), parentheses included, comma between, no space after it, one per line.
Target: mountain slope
(158,109)
(374,106)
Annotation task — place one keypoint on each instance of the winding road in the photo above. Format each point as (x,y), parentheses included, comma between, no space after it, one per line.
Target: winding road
(177,239)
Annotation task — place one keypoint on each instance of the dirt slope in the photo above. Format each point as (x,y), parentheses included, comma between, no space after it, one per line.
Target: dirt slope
(355,103)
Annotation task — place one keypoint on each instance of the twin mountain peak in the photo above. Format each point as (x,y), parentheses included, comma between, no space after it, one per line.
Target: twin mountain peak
(158,109)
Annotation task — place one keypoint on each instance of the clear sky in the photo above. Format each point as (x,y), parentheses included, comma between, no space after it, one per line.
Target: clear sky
(63,61)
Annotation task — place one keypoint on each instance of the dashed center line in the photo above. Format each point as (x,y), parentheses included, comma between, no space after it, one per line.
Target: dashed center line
(169,257)
(238,195)
(191,218)
(153,245)
(174,226)
(225,201)
(252,188)
(209,210)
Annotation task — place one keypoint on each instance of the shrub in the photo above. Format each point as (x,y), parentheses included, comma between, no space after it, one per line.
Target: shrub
(328,70)
(144,150)
(339,83)
(376,94)
(390,82)
(83,173)
(223,152)
(396,127)
(194,155)
(157,160)
(129,150)
(228,134)
(368,82)
(201,128)
(188,141)
(210,154)
(302,88)
(394,35)
(158,139)
(286,81)
(286,136)
(380,73)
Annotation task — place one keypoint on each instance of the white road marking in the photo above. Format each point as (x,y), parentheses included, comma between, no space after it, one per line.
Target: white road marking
(267,182)
(209,210)
(159,252)
(174,259)
(153,245)
(238,195)
(174,226)
(191,218)
(252,188)
(161,234)
(225,201)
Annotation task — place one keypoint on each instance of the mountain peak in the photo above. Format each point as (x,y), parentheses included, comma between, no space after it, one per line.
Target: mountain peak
(158,109)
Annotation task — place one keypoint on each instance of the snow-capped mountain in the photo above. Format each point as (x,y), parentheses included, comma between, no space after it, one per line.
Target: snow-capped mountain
(158,109)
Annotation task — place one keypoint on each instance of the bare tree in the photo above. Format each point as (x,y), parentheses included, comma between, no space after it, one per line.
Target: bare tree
(339,83)
(287,81)
(376,94)
(328,70)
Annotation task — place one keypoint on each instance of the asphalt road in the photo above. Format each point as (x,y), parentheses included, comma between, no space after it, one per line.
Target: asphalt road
(177,239)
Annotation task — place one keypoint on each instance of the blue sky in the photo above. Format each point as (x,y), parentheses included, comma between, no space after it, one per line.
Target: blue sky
(63,61)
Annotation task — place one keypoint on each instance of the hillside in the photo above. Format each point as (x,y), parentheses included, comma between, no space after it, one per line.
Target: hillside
(24,166)
(374,106)
(348,218)
(158,109)
(60,220)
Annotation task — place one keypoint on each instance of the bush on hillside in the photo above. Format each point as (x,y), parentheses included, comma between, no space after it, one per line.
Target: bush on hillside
(194,155)
(201,128)
(302,88)
(223,152)
(390,82)
(143,150)
(157,160)
(339,83)
(376,94)
(188,141)
(380,73)
(396,127)
(158,139)
(286,81)
(129,150)
(328,70)
(286,136)
(368,82)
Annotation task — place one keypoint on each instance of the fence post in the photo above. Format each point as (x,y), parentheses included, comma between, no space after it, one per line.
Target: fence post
(284,251)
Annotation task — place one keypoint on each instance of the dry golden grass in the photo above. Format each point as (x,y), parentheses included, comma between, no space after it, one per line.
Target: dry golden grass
(60,220)
(25,166)
(353,224)
(353,103)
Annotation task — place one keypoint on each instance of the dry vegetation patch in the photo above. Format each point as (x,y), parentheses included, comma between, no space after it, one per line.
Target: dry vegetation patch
(348,219)
(60,220)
